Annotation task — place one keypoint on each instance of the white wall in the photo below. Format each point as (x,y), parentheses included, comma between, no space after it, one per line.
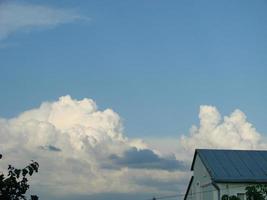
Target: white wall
(201,187)
(232,188)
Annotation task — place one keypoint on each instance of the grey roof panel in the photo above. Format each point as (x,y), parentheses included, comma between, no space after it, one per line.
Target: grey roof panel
(226,163)
(239,164)
(214,167)
(251,163)
(218,168)
(235,165)
(263,161)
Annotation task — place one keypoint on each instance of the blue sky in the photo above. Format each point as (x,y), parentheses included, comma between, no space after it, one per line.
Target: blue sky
(153,62)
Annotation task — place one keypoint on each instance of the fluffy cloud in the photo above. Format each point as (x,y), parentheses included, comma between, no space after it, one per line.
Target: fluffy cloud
(82,150)
(18,16)
(231,132)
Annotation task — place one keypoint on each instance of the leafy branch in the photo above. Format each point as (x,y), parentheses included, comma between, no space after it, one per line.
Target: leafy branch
(14,185)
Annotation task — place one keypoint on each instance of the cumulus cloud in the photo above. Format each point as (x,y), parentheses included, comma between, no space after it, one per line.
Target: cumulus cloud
(21,16)
(229,132)
(82,150)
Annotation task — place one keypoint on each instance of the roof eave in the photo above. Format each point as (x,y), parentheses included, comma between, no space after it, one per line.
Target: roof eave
(188,187)
(248,181)
(205,165)
(194,158)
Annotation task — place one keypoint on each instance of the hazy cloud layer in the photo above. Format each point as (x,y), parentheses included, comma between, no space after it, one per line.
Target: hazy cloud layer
(83,150)
(24,17)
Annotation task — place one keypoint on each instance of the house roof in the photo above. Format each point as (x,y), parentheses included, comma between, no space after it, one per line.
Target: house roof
(236,166)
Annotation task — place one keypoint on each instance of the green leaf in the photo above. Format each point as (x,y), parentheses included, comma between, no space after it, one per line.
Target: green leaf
(24,172)
(30,170)
(17,172)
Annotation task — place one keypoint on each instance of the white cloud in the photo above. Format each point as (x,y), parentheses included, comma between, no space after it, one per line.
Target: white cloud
(83,150)
(76,145)
(16,17)
(231,132)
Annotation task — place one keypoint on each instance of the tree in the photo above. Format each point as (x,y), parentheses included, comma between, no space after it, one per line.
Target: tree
(253,192)
(14,185)
(256,192)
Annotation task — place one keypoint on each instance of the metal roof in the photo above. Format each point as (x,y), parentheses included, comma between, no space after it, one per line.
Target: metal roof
(237,166)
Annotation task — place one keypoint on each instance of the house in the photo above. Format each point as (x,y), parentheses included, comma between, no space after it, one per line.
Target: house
(219,172)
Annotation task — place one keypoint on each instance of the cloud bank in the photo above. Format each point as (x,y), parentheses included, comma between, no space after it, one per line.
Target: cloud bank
(83,151)
(16,17)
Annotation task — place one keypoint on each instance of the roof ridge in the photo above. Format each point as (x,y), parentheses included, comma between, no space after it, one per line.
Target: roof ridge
(204,149)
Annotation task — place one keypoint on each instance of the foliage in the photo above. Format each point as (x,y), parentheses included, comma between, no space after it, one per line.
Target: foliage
(233,197)
(254,192)
(257,192)
(14,185)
